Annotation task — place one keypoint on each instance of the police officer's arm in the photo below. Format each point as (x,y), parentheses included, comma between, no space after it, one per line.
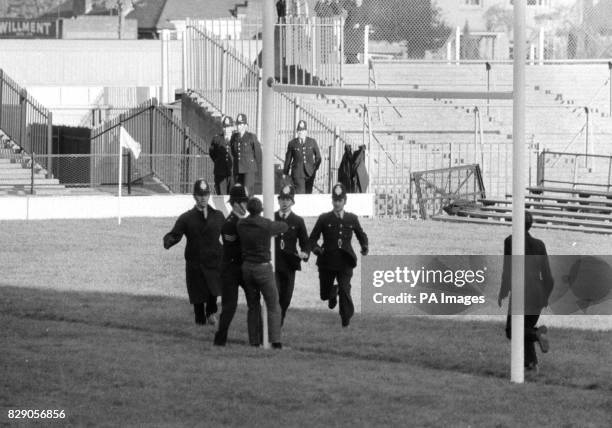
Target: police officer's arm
(228,233)
(317,154)
(314,237)
(303,238)
(174,236)
(288,157)
(257,152)
(361,237)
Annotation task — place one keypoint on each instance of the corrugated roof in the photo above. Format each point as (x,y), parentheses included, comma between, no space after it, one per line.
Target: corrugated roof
(196,9)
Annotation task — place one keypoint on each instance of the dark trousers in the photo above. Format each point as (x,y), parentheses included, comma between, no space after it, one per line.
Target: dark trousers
(231,279)
(223,184)
(309,184)
(247,180)
(299,183)
(303,184)
(285,282)
(343,290)
(200,313)
(259,278)
(530,337)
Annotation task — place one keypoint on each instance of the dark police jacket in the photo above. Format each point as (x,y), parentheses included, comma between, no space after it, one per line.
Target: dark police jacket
(337,234)
(232,253)
(303,159)
(246,153)
(221,155)
(538,278)
(286,256)
(203,246)
(255,233)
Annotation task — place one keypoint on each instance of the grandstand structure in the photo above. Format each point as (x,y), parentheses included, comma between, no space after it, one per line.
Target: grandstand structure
(215,66)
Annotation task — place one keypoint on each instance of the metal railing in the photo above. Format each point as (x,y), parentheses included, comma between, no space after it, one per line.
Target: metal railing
(165,142)
(575,170)
(97,174)
(227,82)
(23,119)
(330,138)
(310,51)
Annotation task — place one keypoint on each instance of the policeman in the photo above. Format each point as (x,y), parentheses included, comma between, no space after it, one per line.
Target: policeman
(336,258)
(231,273)
(221,155)
(287,258)
(303,159)
(202,227)
(246,153)
(255,233)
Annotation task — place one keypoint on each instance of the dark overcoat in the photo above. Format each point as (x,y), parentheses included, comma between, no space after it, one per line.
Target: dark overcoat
(246,153)
(202,252)
(221,155)
(539,281)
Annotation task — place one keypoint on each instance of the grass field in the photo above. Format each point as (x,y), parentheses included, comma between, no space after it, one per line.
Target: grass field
(96,322)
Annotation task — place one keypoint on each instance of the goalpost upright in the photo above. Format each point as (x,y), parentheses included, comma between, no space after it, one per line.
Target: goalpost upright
(518,150)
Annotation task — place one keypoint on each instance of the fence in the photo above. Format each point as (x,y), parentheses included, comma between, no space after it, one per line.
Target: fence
(310,51)
(23,119)
(230,85)
(165,144)
(79,174)
(227,82)
(575,170)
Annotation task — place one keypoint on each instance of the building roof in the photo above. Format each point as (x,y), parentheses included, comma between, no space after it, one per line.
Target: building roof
(196,9)
(147,12)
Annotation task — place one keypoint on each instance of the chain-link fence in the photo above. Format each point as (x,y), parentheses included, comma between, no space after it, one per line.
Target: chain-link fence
(474,30)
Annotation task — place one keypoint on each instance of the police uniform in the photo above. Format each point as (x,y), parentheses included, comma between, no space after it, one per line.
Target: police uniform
(231,275)
(302,160)
(255,233)
(202,253)
(221,155)
(335,257)
(286,257)
(246,154)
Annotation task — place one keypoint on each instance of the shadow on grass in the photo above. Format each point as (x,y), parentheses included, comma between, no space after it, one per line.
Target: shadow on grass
(578,359)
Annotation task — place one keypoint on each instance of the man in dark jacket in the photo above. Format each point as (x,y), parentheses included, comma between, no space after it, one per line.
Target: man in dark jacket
(303,158)
(255,233)
(336,258)
(202,227)
(286,255)
(220,153)
(231,271)
(538,287)
(246,153)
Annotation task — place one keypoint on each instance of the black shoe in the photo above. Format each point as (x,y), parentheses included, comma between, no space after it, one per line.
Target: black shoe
(345,324)
(333,301)
(219,341)
(200,321)
(277,345)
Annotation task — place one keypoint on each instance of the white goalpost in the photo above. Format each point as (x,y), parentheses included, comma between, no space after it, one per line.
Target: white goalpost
(518,132)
